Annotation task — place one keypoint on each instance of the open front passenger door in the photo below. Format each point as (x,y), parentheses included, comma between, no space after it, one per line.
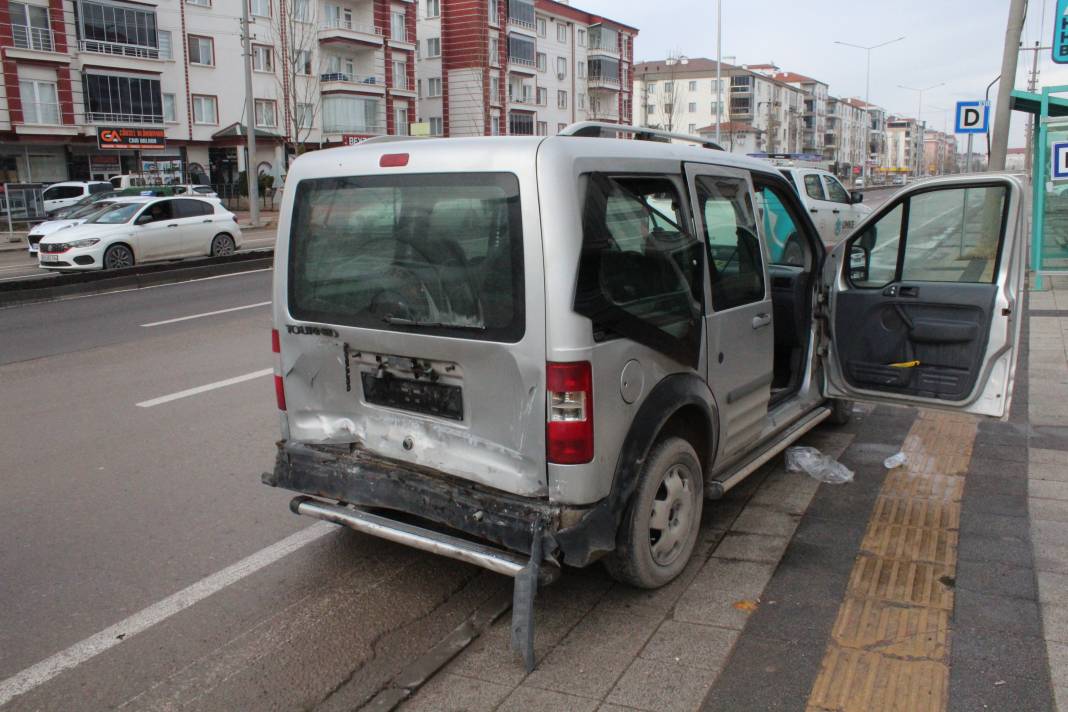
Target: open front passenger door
(925,298)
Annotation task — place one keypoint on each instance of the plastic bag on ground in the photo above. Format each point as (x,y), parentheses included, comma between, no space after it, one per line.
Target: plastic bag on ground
(817,465)
(895,461)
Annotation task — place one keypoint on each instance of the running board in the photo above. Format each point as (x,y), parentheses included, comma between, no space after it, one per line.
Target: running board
(718,488)
(528,573)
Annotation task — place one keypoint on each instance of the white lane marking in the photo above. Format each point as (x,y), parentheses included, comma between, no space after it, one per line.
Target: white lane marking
(211,313)
(40,673)
(203,389)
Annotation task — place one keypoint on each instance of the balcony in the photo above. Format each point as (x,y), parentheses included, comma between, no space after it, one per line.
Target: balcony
(35,38)
(521,14)
(400,35)
(342,30)
(340,81)
(605,83)
(522,99)
(524,66)
(121,49)
(602,48)
(96,117)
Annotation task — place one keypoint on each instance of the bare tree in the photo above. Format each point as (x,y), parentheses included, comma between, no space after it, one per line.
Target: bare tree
(296,33)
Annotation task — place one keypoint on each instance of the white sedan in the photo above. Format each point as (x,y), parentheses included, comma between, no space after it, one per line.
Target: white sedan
(76,216)
(143,229)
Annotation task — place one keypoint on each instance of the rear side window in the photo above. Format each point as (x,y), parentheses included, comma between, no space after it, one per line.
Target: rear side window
(813,187)
(736,264)
(63,192)
(436,253)
(99,188)
(185,208)
(640,271)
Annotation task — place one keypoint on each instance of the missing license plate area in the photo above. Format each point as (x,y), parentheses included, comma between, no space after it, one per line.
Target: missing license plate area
(417,396)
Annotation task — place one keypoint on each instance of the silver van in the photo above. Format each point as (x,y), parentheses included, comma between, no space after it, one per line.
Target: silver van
(526,352)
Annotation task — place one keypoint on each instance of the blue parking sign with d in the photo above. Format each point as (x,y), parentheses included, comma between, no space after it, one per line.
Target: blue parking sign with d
(973,117)
(1060,33)
(1058,152)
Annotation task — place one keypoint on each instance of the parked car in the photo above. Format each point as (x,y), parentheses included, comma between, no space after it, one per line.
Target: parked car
(564,353)
(68,217)
(899,180)
(858,183)
(130,180)
(60,195)
(205,191)
(143,229)
(834,210)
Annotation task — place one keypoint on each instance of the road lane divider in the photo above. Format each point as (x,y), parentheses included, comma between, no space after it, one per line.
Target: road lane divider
(204,314)
(40,673)
(204,389)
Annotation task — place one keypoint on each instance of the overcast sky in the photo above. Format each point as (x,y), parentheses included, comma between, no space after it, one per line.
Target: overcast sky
(958,42)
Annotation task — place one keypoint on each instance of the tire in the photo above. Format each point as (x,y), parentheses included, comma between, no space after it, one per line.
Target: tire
(670,489)
(118,257)
(841,412)
(222,245)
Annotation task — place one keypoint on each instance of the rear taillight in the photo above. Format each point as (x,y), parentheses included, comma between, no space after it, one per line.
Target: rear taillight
(279,387)
(569,412)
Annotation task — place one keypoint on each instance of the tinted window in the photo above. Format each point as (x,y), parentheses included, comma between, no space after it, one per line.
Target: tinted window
(63,192)
(99,188)
(835,192)
(735,263)
(162,210)
(640,271)
(185,208)
(439,253)
(813,187)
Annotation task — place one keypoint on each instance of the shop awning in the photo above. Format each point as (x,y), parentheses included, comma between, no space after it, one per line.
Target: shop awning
(239,130)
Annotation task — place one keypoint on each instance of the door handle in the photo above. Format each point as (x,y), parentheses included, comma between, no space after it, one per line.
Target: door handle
(207,221)
(813,210)
(761,320)
(173,225)
(836,211)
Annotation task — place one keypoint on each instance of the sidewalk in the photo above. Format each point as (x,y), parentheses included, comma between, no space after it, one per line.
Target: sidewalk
(940,585)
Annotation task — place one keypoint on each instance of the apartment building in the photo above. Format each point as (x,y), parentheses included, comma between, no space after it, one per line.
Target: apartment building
(519,67)
(168,76)
(939,153)
(844,140)
(758,113)
(904,146)
(813,107)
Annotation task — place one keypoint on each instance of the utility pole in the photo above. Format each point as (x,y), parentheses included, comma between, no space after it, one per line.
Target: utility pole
(867,100)
(1032,85)
(1009,58)
(250,124)
(921,127)
(719,64)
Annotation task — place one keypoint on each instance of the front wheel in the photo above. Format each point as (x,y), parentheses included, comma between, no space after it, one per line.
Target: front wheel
(222,245)
(660,527)
(118,257)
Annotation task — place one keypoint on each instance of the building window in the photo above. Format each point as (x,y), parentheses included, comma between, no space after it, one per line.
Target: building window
(433,9)
(561,99)
(651,88)
(201,3)
(305,116)
(669,87)
(114,99)
(580,69)
(302,10)
(581,38)
(302,62)
(693,86)
(433,47)
(495,51)
(521,50)
(561,32)
(543,128)
(165,50)
(543,61)
(30,27)
(542,31)
(561,67)
(266,117)
(400,74)
(669,109)
(201,50)
(650,109)
(170,108)
(692,107)
(437,126)
(495,89)
(560,127)
(521,124)
(580,99)
(40,103)
(110,29)
(494,12)
(433,86)
(692,129)
(260,8)
(400,121)
(205,109)
(262,58)
(521,12)
(398,31)
(343,113)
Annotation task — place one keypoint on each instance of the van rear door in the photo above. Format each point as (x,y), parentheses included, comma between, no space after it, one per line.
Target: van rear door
(413,325)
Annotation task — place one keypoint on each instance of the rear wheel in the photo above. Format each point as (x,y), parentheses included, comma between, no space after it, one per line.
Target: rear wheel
(660,527)
(222,245)
(118,257)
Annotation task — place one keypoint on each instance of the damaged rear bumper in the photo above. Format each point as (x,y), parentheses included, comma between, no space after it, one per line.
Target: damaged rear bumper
(575,535)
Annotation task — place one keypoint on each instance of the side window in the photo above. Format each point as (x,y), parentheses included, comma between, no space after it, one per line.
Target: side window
(99,188)
(735,263)
(163,210)
(948,235)
(185,208)
(813,187)
(786,243)
(640,271)
(835,192)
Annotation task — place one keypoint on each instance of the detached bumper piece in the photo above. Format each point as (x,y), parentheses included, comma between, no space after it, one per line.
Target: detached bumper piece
(528,573)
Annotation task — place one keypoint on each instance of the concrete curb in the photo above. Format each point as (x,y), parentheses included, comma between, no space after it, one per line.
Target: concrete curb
(42,289)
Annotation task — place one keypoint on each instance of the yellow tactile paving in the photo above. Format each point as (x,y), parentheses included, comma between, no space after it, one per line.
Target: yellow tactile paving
(889,646)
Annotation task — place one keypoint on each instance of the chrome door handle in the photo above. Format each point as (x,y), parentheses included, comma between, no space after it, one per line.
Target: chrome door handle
(173,225)
(813,210)
(207,221)
(761,320)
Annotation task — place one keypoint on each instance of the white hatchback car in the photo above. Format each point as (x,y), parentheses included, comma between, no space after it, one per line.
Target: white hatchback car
(72,216)
(143,229)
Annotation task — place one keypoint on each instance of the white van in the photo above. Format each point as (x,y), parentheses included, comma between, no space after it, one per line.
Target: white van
(60,195)
(834,210)
(128,181)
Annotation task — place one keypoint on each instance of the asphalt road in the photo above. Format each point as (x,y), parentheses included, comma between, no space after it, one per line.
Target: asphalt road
(110,509)
(19,263)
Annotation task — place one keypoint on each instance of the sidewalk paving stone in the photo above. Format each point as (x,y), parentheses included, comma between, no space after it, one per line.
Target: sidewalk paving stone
(752,547)
(1048,489)
(700,646)
(661,687)
(532,699)
(453,693)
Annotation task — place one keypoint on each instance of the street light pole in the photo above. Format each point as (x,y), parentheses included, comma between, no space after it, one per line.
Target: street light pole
(250,124)
(719,65)
(920,126)
(867,99)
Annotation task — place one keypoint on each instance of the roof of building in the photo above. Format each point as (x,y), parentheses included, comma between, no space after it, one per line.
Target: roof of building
(693,64)
(565,10)
(795,78)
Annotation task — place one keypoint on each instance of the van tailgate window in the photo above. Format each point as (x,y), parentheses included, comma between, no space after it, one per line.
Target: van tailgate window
(438,253)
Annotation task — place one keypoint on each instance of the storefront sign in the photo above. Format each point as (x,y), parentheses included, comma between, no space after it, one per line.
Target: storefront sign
(353,139)
(113,138)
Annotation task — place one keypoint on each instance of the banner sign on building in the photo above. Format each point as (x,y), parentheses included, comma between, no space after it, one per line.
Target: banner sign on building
(114,138)
(1060,33)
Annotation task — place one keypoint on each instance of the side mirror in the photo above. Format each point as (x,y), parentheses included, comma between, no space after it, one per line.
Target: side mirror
(856,196)
(858,263)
